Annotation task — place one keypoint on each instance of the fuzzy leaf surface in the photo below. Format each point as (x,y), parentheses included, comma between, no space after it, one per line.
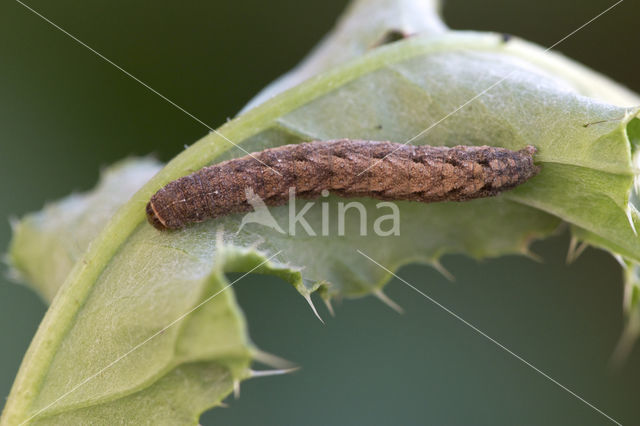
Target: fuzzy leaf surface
(134,280)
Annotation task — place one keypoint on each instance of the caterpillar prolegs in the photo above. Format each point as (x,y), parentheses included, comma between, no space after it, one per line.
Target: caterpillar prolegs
(348,168)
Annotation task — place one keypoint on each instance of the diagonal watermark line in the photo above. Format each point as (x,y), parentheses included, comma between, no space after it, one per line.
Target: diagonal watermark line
(489,88)
(584,25)
(494,341)
(144,342)
(76,39)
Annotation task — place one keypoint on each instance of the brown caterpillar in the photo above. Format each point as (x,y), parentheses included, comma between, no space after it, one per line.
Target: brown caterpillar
(349,168)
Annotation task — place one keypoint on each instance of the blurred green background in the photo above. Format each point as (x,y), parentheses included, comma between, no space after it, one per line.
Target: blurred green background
(65,113)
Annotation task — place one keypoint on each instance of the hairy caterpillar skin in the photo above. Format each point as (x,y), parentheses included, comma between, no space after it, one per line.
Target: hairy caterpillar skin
(349,168)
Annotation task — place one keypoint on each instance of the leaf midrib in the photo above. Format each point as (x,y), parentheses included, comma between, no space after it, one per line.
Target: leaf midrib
(77,286)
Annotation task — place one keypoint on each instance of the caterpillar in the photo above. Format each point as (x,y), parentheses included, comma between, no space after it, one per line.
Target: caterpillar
(348,168)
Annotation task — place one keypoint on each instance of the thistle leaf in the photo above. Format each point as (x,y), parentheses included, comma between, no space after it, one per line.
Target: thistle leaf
(133,281)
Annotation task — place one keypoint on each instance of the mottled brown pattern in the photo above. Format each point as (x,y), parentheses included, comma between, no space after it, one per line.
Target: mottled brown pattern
(349,168)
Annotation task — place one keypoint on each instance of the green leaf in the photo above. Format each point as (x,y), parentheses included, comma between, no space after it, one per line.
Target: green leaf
(133,280)
(47,244)
(187,390)
(365,24)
